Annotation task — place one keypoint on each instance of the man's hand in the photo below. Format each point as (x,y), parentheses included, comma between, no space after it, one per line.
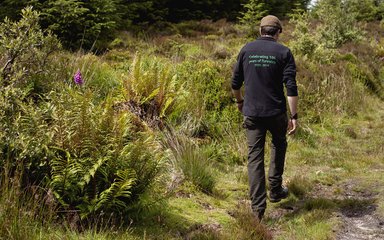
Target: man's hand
(239,99)
(292,126)
(292,123)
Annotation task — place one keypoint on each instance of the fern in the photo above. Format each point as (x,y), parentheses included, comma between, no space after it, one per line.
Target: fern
(65,171)
(152,88)
(90,173)
(118,191)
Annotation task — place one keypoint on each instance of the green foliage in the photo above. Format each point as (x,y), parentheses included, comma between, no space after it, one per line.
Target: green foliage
(194,166)
(363,75)
(81,23)
(93,155)
(206,84)
(193,163)
(152,89)
(282,8)
(246,226)
(12,8)
(255,10)
(366,10)
(97,165)
(299,186)
(316,37)
(91,24)
(338,25)
(307,41)
(304,42)
(120,188)
(24,48)
(70,140)
(23,211)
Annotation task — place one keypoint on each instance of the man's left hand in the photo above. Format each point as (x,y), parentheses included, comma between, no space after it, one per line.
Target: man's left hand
(292,126)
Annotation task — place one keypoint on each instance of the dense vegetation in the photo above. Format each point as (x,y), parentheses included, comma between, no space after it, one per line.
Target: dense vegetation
(83,23)
(112,140)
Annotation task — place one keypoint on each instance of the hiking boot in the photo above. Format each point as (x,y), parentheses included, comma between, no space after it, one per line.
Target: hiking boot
(276,196)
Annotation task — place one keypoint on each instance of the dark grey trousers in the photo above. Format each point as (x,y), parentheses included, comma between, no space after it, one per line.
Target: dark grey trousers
(256,129)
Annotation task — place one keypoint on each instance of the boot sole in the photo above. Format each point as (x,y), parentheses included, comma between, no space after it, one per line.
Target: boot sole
(275,200)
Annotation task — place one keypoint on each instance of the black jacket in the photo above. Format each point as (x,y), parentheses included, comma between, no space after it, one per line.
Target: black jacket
(264,66)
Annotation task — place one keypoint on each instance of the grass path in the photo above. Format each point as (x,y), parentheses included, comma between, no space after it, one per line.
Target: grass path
(337,183)
(335,175)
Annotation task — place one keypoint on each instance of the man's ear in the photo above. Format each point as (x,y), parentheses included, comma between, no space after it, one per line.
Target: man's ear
(277,35)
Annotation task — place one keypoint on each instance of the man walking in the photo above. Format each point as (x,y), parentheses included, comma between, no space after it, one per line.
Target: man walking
(264,67)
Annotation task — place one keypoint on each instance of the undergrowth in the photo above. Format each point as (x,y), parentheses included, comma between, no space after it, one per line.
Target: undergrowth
(153,122)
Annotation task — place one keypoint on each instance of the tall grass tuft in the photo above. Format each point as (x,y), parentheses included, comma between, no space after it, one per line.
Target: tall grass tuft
(23,210)
(193,162)
(247,226)
(299,186)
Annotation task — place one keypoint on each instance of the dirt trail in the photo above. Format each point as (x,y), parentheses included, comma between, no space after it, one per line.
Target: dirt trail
(362,224)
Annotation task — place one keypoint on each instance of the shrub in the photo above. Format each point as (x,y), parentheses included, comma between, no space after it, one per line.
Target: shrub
(69,140)
(246,225)
(206,84)
(25,49)
(337,26)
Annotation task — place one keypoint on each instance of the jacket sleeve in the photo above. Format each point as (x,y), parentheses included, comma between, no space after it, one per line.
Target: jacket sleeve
(238,73)
(289,75)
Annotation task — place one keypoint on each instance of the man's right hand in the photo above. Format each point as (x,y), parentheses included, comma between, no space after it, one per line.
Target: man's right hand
(292,126)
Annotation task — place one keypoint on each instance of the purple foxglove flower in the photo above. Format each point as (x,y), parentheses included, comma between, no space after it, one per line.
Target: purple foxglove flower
(77,78)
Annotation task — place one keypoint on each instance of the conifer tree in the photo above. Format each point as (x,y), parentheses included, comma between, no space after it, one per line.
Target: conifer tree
(250,18)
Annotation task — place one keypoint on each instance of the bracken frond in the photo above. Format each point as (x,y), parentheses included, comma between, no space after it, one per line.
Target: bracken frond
(118,191)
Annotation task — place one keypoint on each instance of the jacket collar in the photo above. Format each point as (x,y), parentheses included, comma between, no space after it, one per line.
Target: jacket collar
(267,38)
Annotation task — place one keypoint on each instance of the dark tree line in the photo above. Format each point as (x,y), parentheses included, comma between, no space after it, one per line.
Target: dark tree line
(81,22)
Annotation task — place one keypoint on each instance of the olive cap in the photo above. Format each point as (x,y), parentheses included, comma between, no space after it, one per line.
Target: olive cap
(271,21)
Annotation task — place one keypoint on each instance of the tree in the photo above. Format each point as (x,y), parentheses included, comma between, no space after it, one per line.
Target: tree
(282,8)
(80,23)
(250,19)
(11,8)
